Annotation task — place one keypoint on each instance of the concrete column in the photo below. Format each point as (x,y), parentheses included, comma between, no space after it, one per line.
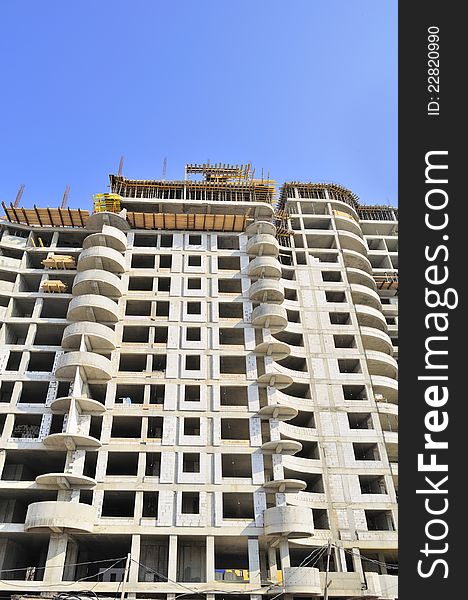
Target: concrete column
(340,558)
(135,552)
(273,575)
(55,561)
(172,565)
(254,561)
(210,558)
(284,554)
(358,564)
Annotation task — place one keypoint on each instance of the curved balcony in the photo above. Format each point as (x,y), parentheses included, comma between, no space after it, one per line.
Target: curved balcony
(276,380)
(361,278)
(98,220)
(362,294)
(65,481)
(390,437)
(297,432)
(58,516)
(85,405)
(356,260)
(370,317)
(386,387)
(381,364)
(111,237)
(91,307)
(387,408)
(259,227)
(344,207)
(264,266)
(302,580)
(278,412)
(267,290)
(286,447)
(352,241)
(345,222)
(97,281)
(275,350)
(285,486)
(262,244)
(100,257)
(374,339)
(270,316)
(98,336)
(288,521)
(93,366)
(71,441)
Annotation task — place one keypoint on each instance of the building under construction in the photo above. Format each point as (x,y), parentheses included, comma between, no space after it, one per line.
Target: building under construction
(199,392)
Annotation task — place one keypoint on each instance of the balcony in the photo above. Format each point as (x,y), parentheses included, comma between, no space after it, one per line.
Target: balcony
(93,308)
(351,241)
(278,412)
(388,586)
(302,580)
(362,294)
(264,266)
(85,405)
(109,236)
(356,260)
(275,350)
(98,336)
(361,278)
(387,387)
(285,486)
(71,441)
(99,219)
(262,244)
(93,366)
(370,317)
(376,340)
(276,380)
(267,290)
(100,257)
(65,481)
(289,521)
(270,316)
(259,227)
(286,447)
(349,585)
(381,364)
(58,516)
(97,281)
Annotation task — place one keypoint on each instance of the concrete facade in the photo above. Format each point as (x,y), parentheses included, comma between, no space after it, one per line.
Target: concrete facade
(219,405)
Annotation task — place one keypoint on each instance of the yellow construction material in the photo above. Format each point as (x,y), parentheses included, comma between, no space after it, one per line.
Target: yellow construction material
(53,286)
(106,203)
(340,213)
(59,261)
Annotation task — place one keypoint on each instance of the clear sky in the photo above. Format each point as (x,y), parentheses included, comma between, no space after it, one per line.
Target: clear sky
(306,89)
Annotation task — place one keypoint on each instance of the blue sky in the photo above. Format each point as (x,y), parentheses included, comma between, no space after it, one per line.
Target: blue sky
(306,89)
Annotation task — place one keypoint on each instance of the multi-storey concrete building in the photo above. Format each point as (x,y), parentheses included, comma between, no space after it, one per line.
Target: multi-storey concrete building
(198,392)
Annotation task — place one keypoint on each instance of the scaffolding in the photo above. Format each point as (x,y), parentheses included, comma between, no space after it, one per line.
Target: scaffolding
(320,191)
(220,183)
(283,229)
(378,213)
